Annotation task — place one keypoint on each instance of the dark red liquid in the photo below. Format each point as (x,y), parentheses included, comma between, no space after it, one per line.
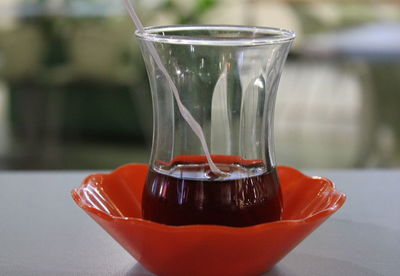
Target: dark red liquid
(239,202)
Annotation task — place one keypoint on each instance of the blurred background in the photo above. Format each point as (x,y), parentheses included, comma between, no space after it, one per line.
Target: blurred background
(74,92)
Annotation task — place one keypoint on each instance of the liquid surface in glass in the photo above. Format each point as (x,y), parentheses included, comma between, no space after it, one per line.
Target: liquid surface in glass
(186,192)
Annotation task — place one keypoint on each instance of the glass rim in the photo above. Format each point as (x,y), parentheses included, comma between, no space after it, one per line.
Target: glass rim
(157,34)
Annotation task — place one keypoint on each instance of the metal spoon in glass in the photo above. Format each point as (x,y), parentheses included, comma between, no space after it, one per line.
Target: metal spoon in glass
(194,125)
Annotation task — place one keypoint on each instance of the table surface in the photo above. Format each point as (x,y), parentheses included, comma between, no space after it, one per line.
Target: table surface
(376,41)
(43,232)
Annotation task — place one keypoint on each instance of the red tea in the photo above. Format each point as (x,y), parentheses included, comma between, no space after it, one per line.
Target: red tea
(186,192)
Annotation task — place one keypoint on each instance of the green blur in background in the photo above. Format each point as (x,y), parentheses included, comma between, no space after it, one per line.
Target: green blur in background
(74,92)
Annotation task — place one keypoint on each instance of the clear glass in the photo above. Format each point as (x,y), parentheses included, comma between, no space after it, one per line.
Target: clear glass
(227,77)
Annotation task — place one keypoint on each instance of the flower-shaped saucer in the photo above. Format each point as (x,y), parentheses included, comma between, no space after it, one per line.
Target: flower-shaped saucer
(114,202)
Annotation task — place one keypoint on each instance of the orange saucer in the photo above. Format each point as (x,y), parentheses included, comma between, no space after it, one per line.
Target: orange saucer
(114,201)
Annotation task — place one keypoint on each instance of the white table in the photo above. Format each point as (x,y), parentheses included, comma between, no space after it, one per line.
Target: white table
(372,42)
(43,232)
